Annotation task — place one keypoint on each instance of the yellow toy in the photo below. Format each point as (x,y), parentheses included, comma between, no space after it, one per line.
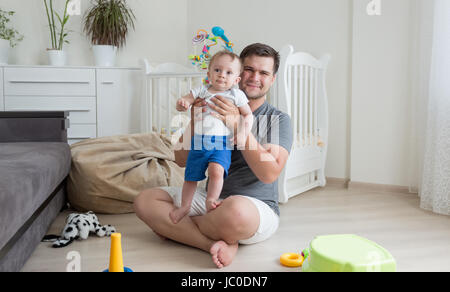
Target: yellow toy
(115,258)
(292,260)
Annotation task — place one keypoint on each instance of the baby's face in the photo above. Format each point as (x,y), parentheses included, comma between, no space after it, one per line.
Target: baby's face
(224,73)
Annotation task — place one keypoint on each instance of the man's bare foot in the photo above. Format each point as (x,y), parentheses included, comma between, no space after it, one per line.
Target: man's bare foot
(177,214)
(223,253)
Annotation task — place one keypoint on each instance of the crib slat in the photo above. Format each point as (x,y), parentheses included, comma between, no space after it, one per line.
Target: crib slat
(306,118)
(316,108)
(294,102)
(149,108)
(299,121)
(145,107)
(311,98)
(289,80)
(158,105)
(169,108)
(179,95)
(151,105)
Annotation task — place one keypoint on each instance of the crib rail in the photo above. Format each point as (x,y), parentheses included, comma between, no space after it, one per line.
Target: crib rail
(304,98)
(161,91)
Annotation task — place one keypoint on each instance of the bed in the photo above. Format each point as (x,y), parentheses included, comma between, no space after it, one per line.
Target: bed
(299,91)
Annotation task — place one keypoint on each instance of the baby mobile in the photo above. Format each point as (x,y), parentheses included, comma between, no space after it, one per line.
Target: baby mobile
(207,41)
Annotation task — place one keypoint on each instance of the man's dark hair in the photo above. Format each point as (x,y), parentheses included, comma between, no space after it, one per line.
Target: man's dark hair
(262,50)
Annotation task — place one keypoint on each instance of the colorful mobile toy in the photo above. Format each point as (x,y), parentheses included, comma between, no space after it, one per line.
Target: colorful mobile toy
(207,41)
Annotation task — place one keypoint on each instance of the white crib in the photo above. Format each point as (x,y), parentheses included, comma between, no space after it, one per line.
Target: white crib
(299,91)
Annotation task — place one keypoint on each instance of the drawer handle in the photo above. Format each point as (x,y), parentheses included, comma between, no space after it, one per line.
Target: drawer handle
(28,109)
(79,110)
(78,138)
(48,82)
(108,82)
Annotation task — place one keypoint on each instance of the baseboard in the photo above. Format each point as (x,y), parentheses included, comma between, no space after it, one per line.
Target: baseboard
(337,182)
(362,186)
(377,187)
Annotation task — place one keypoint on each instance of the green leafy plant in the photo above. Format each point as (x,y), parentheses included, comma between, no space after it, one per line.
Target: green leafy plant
(107,22)
(8,33)
(57,40)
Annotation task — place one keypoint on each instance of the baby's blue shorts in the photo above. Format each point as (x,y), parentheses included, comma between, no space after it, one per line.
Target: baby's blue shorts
(206,149)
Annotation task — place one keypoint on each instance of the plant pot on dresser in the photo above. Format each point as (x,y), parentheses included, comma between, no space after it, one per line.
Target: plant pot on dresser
(101,102)
(57,58)
(104,56)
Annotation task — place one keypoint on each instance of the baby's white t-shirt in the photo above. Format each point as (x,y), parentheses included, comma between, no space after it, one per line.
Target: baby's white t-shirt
(211,125)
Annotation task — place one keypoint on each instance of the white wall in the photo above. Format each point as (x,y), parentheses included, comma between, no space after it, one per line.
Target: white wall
(315,26)
(381,102)
(369,74)
(160,33)
(368,80)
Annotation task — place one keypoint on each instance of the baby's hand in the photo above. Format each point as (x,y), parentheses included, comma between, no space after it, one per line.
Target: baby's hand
(212,205)
(182,105)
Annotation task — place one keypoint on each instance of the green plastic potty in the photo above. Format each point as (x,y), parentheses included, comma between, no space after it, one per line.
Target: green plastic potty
(347,253)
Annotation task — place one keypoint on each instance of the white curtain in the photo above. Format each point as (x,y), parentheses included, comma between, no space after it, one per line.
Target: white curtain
(430,154)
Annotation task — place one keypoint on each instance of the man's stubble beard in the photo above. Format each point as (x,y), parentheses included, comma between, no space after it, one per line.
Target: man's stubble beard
(262,95)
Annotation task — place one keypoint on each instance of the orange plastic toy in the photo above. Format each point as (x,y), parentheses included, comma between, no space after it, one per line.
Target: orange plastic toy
(116,258)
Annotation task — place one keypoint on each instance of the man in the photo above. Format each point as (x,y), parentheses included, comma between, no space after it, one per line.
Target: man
(249,211)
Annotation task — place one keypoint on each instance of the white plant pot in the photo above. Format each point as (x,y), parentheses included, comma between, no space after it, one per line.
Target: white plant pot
(57,58)
(4,51)
(105,56)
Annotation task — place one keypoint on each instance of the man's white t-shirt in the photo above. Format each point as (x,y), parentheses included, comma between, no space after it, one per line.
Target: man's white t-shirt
(211,125)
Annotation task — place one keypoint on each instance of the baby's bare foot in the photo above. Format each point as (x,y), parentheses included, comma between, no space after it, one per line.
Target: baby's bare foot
(177,214)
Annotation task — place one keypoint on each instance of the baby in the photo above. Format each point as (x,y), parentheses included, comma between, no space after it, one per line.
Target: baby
(210,148)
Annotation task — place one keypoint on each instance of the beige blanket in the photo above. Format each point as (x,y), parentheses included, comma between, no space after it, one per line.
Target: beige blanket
(108,173)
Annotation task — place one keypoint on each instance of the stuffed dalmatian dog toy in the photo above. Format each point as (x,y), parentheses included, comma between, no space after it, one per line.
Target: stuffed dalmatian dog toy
(78,226)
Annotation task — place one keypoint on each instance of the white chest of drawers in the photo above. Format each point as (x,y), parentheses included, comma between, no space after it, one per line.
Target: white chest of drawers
(101,101)
(2,100)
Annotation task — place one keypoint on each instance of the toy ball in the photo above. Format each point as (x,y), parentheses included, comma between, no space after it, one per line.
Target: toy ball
(218,31)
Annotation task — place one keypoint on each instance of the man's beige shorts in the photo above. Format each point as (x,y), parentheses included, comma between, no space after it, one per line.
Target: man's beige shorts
(269,220)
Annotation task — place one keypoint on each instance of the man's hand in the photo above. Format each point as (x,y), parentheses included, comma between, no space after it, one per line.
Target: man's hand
(227,112)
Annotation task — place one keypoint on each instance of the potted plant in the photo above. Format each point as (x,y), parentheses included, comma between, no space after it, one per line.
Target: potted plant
(58,35)
(9,37)
(107,24)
